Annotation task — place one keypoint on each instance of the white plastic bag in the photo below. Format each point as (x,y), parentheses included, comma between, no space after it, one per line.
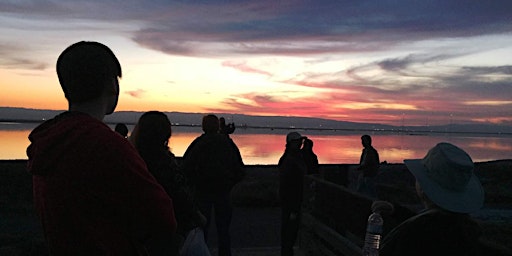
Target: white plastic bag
(194,244)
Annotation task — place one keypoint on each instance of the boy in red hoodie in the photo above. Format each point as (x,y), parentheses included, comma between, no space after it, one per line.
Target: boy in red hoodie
(92,190)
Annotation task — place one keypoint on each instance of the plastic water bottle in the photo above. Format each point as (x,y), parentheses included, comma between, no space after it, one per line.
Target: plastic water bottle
(373,234)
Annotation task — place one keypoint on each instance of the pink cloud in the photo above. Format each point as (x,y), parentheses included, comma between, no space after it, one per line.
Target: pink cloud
(139,93)
(244,67)
(359,104)
(401,95)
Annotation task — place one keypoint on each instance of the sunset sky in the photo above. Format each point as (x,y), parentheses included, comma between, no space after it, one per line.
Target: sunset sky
(398,62)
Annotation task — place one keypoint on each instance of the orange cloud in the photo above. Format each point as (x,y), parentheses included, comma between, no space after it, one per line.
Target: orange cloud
(139,93)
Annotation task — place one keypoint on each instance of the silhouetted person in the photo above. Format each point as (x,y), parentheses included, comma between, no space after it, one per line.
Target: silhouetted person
(449,190)
(369,167)
(214,165)
(226,128)
(150,137)
(310,158)
(92,190)
(292,169)
(122,129)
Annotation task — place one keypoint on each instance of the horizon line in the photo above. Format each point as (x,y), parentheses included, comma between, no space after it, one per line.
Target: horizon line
(245,126)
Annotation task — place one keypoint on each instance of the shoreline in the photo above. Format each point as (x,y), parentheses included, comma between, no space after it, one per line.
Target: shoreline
(263,147)
(332,164)
(407,130)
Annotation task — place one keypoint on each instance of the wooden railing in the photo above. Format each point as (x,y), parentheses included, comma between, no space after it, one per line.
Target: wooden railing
(334,218)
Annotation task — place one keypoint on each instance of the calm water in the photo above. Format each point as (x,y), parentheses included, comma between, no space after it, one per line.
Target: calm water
(266,146)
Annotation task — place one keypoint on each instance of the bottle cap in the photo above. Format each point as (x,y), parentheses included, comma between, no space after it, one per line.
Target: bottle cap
(382,206)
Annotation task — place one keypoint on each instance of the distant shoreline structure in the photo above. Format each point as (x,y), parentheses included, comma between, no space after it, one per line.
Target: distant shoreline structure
(398,130)
(279,124)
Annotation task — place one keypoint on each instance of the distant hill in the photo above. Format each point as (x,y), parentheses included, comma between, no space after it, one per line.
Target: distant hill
(272,122)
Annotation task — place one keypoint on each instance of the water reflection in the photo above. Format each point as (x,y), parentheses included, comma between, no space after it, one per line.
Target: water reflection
(13,144)
(258,147)
(392,148)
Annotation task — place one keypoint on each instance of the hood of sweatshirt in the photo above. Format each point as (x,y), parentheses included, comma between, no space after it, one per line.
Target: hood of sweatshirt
(58,139)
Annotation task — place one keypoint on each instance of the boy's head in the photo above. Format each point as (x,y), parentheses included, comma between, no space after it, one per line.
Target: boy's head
(210,124)
(366,140)
(88,70)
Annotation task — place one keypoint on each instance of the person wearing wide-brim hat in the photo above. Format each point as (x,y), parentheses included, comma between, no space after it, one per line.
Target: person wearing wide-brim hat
(449,189)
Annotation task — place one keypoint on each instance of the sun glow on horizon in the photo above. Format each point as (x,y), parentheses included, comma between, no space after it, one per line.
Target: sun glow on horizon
(489,102)
(273,61)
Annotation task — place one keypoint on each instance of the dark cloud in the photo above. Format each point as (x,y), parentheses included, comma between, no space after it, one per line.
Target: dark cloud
(394,85)
(269,27)
(39,8)
(282,27)
(503,70)
(13,58)
(403,64)
(18,63)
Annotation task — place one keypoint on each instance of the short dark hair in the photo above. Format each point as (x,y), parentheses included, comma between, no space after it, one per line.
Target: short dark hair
(210,124)
(367,138)
(122,129)
(85,68)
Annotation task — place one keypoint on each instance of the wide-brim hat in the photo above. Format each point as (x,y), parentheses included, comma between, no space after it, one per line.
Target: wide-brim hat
(294,136)
(446,176)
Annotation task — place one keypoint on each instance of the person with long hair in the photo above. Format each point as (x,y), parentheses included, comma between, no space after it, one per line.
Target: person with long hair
(151,137)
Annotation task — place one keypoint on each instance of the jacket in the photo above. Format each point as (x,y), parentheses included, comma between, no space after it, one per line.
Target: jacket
(92,191)
(369,162)
(163,166)
(213,163)
(292,169)
(433,232)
